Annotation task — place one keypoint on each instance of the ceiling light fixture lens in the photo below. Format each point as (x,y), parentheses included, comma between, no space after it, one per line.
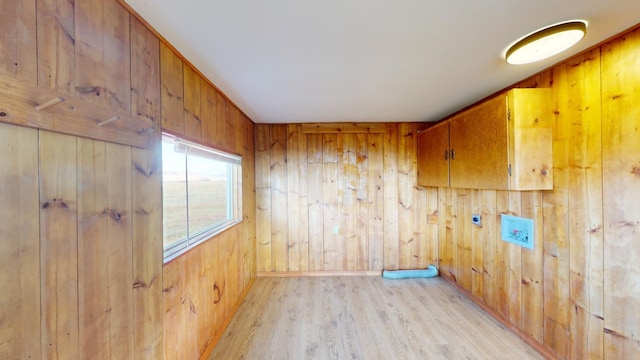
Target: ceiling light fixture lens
(546,42)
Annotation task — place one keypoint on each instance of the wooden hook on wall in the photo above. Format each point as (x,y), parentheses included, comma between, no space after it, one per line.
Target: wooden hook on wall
(109,120)
(50,103)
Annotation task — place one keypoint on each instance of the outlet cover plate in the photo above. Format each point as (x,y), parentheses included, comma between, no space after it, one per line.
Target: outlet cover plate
(517,230)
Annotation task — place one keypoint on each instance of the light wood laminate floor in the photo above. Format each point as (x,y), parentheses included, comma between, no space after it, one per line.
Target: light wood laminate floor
(364,318)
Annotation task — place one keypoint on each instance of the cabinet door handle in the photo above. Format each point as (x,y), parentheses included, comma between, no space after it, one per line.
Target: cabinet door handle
(446,155)
(453,154)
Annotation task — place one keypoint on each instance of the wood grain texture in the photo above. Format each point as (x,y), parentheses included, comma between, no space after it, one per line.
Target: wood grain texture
(375,180)
(480,159)
(340,222)
(104,244)
(343,128)
(571,293)
(18,56)
(146,195)
(58,245)
(71,115)
(102,56)
(364,317)
(278,170)
(406,181)
(192,106)
(56,44)
(433,156)
(19,257)
(621,169)
(172,91)
(390,207)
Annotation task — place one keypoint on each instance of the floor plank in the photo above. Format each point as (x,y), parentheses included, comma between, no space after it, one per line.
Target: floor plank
(364,318)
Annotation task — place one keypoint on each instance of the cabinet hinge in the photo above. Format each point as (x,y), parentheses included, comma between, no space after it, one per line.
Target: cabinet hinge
(509,115)
(509,169)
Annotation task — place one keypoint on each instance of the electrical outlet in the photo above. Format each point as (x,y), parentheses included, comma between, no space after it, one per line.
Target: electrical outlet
(517,230)
(476,219)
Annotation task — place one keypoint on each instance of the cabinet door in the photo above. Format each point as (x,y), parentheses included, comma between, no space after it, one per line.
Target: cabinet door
(530,139)
(478,136)
(433,158)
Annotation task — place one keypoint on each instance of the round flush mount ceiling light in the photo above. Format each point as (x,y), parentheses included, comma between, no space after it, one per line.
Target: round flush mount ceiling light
(546,42)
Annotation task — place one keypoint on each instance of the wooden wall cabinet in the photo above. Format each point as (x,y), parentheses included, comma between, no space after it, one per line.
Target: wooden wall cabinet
(504,143)
(433,156)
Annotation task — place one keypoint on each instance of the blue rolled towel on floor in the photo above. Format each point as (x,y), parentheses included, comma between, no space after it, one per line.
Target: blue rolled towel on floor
(431,271)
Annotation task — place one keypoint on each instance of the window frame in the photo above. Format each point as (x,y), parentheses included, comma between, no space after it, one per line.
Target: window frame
(233,193)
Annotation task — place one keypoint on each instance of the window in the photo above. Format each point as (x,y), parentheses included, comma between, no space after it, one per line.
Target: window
(201,193)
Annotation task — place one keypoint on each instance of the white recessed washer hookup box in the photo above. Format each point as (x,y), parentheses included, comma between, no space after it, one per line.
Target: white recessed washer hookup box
(517,230)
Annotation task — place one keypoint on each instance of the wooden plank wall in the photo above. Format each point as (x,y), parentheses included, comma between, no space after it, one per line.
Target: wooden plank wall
(81,239)
(575,291)
(345,202)
(203,287)
(82,229)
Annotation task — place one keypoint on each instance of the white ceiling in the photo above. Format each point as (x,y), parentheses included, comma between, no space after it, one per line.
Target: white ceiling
(291,61)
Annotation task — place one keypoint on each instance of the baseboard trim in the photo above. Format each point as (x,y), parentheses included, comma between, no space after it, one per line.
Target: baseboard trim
(541,349)
(218,333)
(317,274)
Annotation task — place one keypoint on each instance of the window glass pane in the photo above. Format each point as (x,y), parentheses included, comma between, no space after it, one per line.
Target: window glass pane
(201,193)
(174,194)
(208,184)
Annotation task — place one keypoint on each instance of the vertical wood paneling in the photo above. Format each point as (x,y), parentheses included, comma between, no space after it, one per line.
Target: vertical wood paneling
(263,197)
(56,44)
(18,42)
(315,200)
(348,205)
(462,238)
(249,201)
(532,311)
(406,180)
(362,202)
(104,244)
(97,276)
(102,58)
(556,239)
(491,240)
(176,312)
(621,180)
(572,292)
(230,126)
(580,82)
(192,108)
(303,194)
(445,245)
(477,244)
(220,120)
(330,218)
(391,199)
(58,246)
(502,255)
(146,197)
(433,257)
(515,264)
(19,257)
(208,115)
(336,200)
(278,166)
(375,173)
(172,90)
(293,198)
